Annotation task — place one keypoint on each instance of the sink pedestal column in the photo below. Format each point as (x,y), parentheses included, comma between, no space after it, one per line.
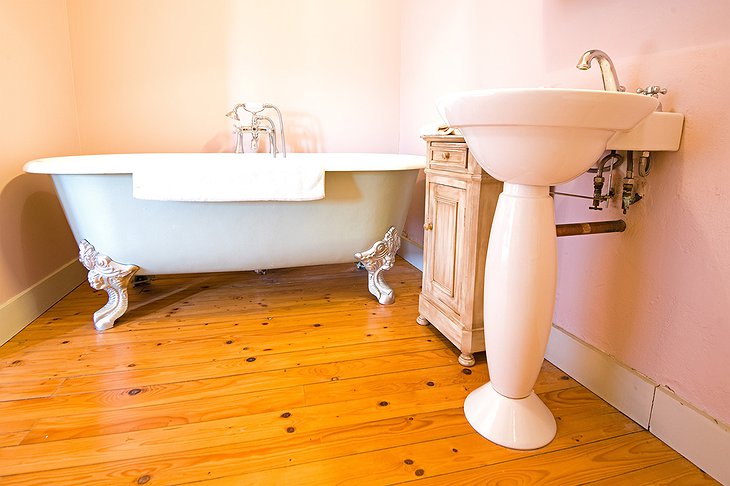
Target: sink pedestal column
(519,295)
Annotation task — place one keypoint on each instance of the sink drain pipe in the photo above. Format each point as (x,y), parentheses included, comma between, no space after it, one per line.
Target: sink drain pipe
(592,228)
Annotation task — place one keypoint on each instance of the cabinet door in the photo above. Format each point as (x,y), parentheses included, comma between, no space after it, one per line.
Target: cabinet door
(443,243)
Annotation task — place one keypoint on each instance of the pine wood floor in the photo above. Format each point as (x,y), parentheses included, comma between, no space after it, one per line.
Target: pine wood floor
(295,377)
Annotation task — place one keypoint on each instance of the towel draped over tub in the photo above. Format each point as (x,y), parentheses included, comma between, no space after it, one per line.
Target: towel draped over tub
(229,180)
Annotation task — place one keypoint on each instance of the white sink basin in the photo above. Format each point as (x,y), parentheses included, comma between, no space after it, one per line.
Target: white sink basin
(660,131)
(542,136)
(530,139)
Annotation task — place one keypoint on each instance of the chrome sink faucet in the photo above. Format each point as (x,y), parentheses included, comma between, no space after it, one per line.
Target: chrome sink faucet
(260,124)
(608,71)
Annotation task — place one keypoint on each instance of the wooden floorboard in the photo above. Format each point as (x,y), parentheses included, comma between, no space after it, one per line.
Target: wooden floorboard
(297,376)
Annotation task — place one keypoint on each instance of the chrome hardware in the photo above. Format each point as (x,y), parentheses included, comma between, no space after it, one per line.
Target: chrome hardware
(616,159)
(654,91)
(644,163)
(607,164)
(608,71)
(597,193)
(628,195)
(567,194)
(259,124)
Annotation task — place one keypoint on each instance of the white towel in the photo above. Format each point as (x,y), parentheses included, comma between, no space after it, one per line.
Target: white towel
(438,128)
(229,180)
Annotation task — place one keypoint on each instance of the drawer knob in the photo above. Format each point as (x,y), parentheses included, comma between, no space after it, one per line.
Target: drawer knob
(446,155)
(428,226)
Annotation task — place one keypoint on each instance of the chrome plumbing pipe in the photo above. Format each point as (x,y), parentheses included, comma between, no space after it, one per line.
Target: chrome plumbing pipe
(281,127)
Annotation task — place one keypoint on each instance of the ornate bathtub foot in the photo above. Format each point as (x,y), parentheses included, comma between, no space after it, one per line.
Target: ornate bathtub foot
(106,274)
(379,258)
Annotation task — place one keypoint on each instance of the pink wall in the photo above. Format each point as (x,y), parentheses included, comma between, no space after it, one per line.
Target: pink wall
(38,119)
(160,76)
(655,296)
(102,76)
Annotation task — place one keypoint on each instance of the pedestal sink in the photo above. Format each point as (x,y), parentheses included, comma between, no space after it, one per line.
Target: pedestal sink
(530,139)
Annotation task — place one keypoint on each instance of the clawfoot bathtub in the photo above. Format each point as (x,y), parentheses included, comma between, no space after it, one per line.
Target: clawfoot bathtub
(121,235)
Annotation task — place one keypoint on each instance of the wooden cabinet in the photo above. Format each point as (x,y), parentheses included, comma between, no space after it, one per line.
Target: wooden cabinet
(460,202)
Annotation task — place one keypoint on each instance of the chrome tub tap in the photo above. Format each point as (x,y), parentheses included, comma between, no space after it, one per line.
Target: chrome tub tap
(260,124)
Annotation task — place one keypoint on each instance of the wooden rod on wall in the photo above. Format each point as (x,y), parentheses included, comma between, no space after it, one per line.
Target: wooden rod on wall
(577,229)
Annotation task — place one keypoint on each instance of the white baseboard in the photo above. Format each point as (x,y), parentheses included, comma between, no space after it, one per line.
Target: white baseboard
(624,388)
(698,437)
(411,252)
(701,439)
(22,309)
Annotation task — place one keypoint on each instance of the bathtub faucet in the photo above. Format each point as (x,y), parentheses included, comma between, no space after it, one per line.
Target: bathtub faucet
(260,124)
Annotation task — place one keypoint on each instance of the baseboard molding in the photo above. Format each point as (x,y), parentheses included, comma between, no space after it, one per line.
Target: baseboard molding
(698,437)
(701,439)
(411,252)
(22,309)
(624,388)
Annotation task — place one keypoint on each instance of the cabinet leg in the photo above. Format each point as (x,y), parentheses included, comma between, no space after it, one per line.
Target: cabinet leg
(467,359)
(422,321)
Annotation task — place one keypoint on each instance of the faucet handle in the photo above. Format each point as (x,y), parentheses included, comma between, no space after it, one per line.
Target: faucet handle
(654,91)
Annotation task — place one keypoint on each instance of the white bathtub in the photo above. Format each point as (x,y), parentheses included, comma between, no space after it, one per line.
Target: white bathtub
(365,195)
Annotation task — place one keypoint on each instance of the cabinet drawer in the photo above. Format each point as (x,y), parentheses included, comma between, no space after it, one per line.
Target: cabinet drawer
(448,156)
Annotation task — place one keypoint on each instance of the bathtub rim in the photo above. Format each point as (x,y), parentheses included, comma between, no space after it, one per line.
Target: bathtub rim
(125,163)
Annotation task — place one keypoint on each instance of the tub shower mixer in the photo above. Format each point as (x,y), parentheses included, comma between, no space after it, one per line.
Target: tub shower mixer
(260,124)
